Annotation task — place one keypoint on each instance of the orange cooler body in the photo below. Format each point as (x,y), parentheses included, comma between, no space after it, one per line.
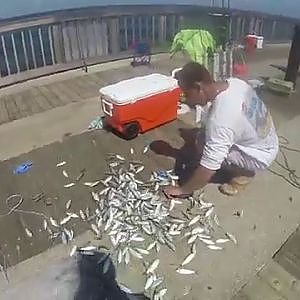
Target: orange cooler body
(148,101)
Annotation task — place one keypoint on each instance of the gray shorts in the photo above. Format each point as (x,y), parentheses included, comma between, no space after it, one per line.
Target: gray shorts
(239,158)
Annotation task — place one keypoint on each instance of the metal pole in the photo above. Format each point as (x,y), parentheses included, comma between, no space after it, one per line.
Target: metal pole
(294,58)
(230,24)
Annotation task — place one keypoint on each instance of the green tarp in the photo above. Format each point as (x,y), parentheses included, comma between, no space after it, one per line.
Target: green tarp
(196,43)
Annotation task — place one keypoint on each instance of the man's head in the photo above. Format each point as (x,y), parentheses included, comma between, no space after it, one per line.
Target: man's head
(196,83)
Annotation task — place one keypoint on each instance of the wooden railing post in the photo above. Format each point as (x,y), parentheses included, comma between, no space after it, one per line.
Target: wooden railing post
(114,30)
(162,32)
(58,43)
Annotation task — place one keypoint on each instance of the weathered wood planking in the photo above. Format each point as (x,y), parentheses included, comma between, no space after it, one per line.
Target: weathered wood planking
(59,98)
(281,281)
(11,107)
(74,37)
(40,99)
(3,111)
(289,255)
(50,96)
(258,289)
(66,42)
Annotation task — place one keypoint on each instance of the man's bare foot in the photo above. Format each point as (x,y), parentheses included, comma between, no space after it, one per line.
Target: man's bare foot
(228,189)
(236,184)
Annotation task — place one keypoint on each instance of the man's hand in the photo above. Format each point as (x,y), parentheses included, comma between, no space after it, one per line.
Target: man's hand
(199,179)
(175,192)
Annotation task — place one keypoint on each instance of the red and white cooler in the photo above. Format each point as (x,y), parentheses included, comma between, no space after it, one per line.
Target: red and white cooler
(139,104)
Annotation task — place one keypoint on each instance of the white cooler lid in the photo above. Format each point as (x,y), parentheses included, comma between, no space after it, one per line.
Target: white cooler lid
(132,90)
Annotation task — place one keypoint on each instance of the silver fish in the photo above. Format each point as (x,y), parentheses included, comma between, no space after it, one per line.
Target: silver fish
(107,180)
(153,266)
(151,246)
(135,253)
(188,259)
(106,265)
(103,192)
(127,257)
(146,149)
(82,215)
(73,251)
(69,233)
(73,215)
(68,204)
(65,173)
(120,157)
(64,238)
(216,219)
(231,237)
(45,225)
(194,220)
(92,184)
(69,185)
(53,222)
(137,239)
(209,212)
(28,232)
(139,169)
(61,164)
(96,197)
(185,271)
(157,282)
(213,247)
(172,205)
(95,229)
(222,241)
(197,230)
(204,236)
(142,251)
(192,239)
(207,242)
(88,248)
(120,256)
(149,282)
(162,293)
(65,220)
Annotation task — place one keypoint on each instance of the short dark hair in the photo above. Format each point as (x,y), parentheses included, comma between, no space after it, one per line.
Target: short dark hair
(192,73)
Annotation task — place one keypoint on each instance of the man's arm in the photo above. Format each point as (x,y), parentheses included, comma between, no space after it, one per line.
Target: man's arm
(199,179)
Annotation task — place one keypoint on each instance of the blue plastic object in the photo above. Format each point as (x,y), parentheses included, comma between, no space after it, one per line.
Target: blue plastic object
(162,175)
(23,168)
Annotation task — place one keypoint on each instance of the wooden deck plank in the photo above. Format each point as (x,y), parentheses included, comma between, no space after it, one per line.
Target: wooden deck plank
(108,77)
(29,97)
(69,93)
(81,92)
(90,88)
(289,255)
(3,112)
(12,109)
(281,281)
(60,98)
(257,289)
(41,100)
(97,80)
(50,96)
(21,104)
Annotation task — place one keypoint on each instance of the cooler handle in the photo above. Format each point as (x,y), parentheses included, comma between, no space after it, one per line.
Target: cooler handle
(104,105)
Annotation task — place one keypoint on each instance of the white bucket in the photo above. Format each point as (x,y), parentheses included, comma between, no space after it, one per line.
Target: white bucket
(260,42)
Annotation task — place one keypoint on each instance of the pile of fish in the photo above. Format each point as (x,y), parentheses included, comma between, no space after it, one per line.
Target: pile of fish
(138,221)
